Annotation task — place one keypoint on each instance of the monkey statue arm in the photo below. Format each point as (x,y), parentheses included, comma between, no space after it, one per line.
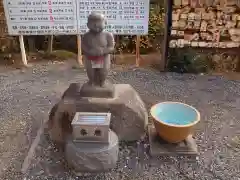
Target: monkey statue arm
(110,44)
(85,48)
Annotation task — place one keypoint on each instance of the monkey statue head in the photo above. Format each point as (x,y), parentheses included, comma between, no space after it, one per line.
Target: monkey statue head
(96,22)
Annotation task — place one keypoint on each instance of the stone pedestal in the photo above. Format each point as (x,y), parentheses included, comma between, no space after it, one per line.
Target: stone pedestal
(85,157)
(129,117)
(77,90)
(159,147)
(107,91)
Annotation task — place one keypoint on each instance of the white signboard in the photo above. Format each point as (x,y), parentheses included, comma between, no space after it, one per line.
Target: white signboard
(44,17)
(35,17)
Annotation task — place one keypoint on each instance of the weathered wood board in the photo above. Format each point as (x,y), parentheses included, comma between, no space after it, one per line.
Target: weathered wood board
(209,24)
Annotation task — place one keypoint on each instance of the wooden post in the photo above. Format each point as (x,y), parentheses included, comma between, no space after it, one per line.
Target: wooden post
(50,44)
(138,41)
(31,44)
(168,19)
(79,57)
(23,52)
(116,37)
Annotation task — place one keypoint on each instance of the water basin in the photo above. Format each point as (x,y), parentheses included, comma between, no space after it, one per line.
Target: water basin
(174,121)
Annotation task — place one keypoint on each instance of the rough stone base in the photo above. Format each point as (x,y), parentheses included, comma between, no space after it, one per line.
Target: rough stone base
(73,90)
(159,147)
(129,117)
(92,157)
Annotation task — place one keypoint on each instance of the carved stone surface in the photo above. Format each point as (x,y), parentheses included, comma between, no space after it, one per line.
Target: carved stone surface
(92,157)
(159,147)
(129,115)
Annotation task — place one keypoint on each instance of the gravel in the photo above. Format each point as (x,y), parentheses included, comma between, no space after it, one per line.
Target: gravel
(27,96)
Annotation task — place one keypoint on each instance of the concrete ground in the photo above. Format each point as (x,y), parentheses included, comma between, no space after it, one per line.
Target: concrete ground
(27,96)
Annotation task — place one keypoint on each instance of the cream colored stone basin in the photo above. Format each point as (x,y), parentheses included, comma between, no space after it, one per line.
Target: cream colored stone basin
(174,121)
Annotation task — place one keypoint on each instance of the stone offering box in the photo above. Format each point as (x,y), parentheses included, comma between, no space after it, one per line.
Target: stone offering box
(91,127)
(93,147)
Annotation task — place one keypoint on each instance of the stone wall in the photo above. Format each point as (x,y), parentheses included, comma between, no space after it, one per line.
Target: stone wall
(205,24)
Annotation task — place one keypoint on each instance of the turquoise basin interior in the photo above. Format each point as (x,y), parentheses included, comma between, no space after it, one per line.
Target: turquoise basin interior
(175,113)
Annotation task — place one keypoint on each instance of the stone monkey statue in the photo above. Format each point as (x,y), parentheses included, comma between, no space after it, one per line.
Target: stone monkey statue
(97,45)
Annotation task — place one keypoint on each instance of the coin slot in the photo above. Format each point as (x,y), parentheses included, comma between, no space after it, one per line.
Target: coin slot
(97,132)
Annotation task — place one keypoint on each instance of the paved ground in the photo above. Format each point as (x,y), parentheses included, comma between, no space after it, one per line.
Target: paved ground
(27,96)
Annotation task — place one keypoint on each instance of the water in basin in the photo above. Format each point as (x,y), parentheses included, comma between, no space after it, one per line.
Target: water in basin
(175,113)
